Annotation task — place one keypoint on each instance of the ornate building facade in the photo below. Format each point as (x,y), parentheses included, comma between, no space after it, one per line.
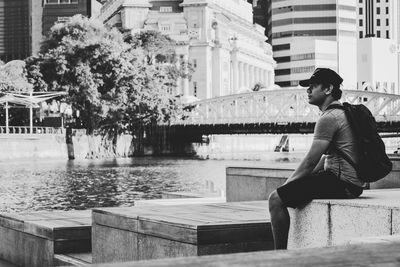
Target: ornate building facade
(228,52)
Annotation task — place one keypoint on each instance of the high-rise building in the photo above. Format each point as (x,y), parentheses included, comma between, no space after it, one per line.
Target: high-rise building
(228,52)
(378,18)
(14,29)
(61,10)
(24,22)
(378,24)
(312,33)
(260,11)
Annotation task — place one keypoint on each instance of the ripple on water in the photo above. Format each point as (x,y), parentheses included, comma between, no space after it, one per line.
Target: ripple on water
(75,185)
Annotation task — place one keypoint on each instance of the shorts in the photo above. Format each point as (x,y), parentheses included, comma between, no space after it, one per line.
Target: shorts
(322,185)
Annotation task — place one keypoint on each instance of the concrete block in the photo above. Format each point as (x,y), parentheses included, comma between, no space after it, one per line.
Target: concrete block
(110,244)
(180,231)
(32,239)
(25,250)
(349,222)
(395,222)
(309,226)
(225,248)
(392,180)
(153,247)
(247,184)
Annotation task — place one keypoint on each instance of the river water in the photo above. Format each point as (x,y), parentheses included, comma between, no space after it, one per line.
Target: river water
(34,185)
(67,185)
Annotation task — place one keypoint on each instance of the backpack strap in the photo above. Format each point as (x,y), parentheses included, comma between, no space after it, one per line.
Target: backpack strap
(340,152)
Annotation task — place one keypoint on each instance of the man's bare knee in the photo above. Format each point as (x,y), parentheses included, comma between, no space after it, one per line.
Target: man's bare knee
(274,200)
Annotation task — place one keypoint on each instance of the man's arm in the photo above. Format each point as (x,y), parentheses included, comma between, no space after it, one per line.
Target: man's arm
(308,164)
(320,165)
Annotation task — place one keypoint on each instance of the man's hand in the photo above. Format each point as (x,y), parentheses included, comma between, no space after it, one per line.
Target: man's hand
(307,165)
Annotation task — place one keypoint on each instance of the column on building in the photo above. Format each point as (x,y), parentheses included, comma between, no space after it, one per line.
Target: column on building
(241,75)
(257,75)
(251,73)
(186,78)
(265,78)
(179,80)
(271,78)
(235,74)
(246,76)
(260,75)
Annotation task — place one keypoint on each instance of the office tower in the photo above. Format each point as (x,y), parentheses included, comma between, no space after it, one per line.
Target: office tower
(378,55)
(14,29)
(312,33)
(61,10)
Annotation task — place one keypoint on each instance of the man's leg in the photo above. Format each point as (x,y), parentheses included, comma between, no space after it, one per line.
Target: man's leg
(280,221)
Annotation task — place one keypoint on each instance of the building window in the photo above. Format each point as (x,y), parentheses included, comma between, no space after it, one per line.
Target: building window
(378,22)
(387,34)
(281,47)
(166,9)
(378,10)
(378,33)
(387,22)
(361,35)
(360,23)
(57,2)
(360,11)
(378,1)
(194,63)
(360,1)
(165,27)
(195,89)
(387,10)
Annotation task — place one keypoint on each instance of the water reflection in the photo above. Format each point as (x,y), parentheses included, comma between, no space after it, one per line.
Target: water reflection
(66,185)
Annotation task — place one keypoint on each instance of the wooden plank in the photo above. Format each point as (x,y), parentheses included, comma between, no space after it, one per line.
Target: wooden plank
(168,231)
(376,254)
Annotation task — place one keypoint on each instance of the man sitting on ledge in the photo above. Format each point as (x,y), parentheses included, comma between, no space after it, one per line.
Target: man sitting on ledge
(323,173)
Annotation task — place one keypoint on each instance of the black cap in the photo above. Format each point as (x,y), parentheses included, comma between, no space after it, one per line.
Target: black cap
(322,75)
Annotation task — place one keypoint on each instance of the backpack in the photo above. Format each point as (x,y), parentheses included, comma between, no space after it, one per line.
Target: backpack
(374,163)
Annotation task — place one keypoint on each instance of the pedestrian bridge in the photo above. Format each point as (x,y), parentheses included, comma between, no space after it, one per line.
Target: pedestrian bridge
(283,106)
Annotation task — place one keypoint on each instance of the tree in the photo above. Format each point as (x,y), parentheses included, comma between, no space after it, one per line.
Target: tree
(110,81)
(158,47)
(13,77)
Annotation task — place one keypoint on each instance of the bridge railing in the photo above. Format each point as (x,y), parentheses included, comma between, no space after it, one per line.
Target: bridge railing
(282,106)
(27,130)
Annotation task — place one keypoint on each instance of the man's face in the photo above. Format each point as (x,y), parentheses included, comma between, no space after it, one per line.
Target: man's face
(316,94)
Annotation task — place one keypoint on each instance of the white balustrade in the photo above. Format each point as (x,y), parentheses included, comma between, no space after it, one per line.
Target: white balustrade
(282,106)
(21,130)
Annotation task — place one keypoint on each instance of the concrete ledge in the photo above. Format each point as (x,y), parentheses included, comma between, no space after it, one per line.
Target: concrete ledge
(152,232)
(256,183)
(336,222)
(252,183)
(392,180)
(32,239)
(372,254)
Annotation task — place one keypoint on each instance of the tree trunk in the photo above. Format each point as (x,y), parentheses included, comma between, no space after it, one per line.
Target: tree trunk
(138,138)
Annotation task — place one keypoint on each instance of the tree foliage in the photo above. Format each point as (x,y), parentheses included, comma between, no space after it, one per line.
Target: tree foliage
(158,48)
(110,81)
(13,77)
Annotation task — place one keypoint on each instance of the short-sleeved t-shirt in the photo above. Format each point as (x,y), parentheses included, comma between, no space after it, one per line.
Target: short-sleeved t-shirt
(334,127)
